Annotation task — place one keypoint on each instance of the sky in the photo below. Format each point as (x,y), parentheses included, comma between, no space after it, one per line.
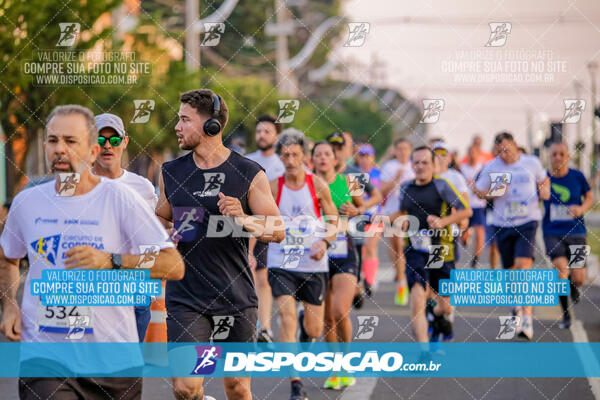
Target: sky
(437,50)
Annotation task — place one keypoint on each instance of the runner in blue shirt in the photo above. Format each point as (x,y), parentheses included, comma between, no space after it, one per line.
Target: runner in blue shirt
(563,224)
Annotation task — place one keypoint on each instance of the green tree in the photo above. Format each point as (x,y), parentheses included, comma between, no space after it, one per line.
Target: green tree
(27,27)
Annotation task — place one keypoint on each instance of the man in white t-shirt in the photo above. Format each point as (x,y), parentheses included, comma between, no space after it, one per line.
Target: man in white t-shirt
(267,133)
(393,173)
(515,182)
(113,141)
(86,222)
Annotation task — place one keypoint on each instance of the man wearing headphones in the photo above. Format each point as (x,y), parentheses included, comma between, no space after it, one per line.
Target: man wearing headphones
(210,198)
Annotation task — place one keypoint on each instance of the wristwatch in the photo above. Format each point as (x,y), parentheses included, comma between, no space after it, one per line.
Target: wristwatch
(117,261)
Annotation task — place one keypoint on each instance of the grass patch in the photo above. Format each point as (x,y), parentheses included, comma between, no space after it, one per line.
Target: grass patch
(593,239)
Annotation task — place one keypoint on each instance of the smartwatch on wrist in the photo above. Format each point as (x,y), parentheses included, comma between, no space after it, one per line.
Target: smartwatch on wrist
(117,261)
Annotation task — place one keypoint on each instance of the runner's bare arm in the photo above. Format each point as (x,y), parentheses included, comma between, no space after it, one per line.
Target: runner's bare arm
(588,201)
(397,214)
(265,222)
(252,240)
(10,325)
(455,216)
(544,189)
(356,207)
(388,186)
(168,263)
(274,183)
(375,198)
(163,211)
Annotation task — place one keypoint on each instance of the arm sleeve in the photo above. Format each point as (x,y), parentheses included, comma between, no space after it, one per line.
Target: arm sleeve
(12,240)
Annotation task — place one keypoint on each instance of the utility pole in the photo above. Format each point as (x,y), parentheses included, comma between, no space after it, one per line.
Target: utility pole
(579,145)
(192,37)
(195,26)
(286,82)
(592,67)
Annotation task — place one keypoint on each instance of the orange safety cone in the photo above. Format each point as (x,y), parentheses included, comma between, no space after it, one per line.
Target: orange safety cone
(157,331)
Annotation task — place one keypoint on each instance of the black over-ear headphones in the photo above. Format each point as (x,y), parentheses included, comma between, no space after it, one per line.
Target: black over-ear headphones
(212,126)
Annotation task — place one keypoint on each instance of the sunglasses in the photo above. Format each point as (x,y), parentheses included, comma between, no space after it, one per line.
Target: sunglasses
(114,141)
(441,152)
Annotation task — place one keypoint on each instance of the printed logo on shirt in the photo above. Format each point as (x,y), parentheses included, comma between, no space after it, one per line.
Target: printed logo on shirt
(212,184)
(40,220)
(562,191)
(46,248)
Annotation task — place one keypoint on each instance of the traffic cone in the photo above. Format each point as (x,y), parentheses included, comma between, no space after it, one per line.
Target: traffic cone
(157,331)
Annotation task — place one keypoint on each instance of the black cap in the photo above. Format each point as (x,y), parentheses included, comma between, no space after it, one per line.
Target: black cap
(336,138)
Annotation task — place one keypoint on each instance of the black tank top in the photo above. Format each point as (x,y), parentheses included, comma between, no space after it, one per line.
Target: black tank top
(217,276)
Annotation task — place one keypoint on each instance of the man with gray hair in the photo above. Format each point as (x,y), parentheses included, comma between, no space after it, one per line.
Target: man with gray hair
(83,221)
(298,267)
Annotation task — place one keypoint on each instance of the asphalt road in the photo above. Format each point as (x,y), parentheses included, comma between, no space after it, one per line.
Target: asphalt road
(472,324)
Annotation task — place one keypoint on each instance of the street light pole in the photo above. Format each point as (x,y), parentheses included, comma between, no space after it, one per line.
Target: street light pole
(592,67)
(579,145)
(192,37)
(285,79)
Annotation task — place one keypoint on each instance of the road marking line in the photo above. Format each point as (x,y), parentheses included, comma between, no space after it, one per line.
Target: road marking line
(586,356)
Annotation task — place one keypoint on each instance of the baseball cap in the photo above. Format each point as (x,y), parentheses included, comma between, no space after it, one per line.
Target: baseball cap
(366,149)
(107,120)
(336,138)
(440,146)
